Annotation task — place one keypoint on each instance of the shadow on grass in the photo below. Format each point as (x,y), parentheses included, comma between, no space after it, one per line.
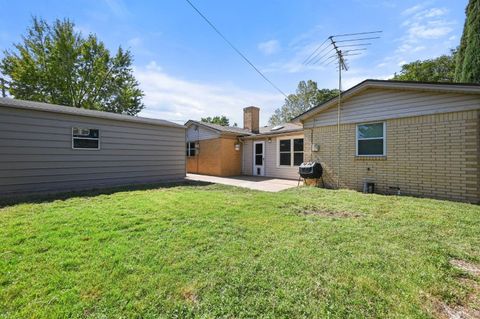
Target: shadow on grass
(50,197)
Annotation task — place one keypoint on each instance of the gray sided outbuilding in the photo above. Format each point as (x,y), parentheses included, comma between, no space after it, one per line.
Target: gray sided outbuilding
(50,148)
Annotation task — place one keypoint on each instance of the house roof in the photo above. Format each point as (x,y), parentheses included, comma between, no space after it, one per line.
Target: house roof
(283,128)
(54,108)
(220,128)
(280,129)
(465,88)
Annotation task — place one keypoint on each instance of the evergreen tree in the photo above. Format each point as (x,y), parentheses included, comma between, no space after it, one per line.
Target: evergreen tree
(468,57)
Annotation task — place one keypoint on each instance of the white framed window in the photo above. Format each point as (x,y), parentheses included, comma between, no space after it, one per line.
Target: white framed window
(85,138)
(191,149)
(290,151)
(371,139)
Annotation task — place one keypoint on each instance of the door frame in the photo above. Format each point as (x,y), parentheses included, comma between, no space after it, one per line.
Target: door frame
(262,167)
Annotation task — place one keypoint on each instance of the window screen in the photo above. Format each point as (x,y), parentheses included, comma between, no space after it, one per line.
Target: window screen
(285,152)
(191,149)
(297,151)
(371,139)
(85,138)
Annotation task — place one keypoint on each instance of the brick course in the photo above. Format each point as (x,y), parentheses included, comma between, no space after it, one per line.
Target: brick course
(433,156)
(216,157)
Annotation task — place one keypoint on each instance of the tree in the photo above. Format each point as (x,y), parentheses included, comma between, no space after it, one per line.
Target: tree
(307,96)
(468,57)
(441,69)
(220,120)
(55,64)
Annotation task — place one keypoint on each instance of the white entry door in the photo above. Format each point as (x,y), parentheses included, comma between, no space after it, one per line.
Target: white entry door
(259,158)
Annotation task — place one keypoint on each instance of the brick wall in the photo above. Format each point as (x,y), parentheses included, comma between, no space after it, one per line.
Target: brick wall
(433,156)
(231,159)
(216,157)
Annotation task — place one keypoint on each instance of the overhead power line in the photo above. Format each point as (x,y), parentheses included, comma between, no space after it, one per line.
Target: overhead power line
(235,48)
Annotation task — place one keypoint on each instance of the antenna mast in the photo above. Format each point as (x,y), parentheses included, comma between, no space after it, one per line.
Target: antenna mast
(356,42)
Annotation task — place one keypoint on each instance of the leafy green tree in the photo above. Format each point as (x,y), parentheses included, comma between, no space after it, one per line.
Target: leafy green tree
(307,96)
(56,64)
(220,120)
(441,69)
(468,58)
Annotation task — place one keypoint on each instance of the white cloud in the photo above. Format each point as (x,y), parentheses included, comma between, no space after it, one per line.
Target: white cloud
(413,9)
(175,99)
(435,12)
(269,47)
(426,24)
(118,7)
(135,42)
(426,29)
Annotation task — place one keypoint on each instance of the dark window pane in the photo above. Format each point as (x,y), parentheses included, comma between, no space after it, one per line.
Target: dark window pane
(85,132)
(297,158)
(298,145)
(82,143)
(258,160)
(192,152)
(285,159)
(192,144)
(370,130)
(258,148)
(370,147)
(284,145)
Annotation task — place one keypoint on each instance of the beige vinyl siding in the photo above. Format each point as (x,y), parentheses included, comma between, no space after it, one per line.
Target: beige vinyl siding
(200,134)
(272,169)
(381,104)
(37,155)
(247,166)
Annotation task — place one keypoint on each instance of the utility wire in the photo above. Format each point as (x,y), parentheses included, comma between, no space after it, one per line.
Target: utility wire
(235,48)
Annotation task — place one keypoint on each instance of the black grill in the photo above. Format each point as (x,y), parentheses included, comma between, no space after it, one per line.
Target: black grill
(310,170)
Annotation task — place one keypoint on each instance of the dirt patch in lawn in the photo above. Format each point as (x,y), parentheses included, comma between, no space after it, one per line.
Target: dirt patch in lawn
(319,211)
(469,307)
(190,295)
(443,311)
(470,268)
(332,214)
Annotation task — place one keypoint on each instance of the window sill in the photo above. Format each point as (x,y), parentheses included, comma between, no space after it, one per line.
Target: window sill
(371,158)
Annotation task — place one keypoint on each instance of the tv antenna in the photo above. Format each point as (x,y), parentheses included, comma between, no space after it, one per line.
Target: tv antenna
(338,48)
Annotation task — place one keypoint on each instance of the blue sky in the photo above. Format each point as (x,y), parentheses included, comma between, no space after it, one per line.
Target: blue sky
(187,71)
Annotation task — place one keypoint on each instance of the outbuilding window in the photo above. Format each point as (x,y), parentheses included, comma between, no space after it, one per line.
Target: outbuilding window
(290,152)
(371,139)
(85,138)
(191,149)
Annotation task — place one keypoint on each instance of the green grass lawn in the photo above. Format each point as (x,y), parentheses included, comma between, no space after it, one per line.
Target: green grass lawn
(219,251)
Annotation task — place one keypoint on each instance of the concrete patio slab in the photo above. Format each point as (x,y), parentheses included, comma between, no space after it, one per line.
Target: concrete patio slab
(266,184)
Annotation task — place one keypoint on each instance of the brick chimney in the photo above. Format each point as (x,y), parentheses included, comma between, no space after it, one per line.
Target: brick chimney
(251,119)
